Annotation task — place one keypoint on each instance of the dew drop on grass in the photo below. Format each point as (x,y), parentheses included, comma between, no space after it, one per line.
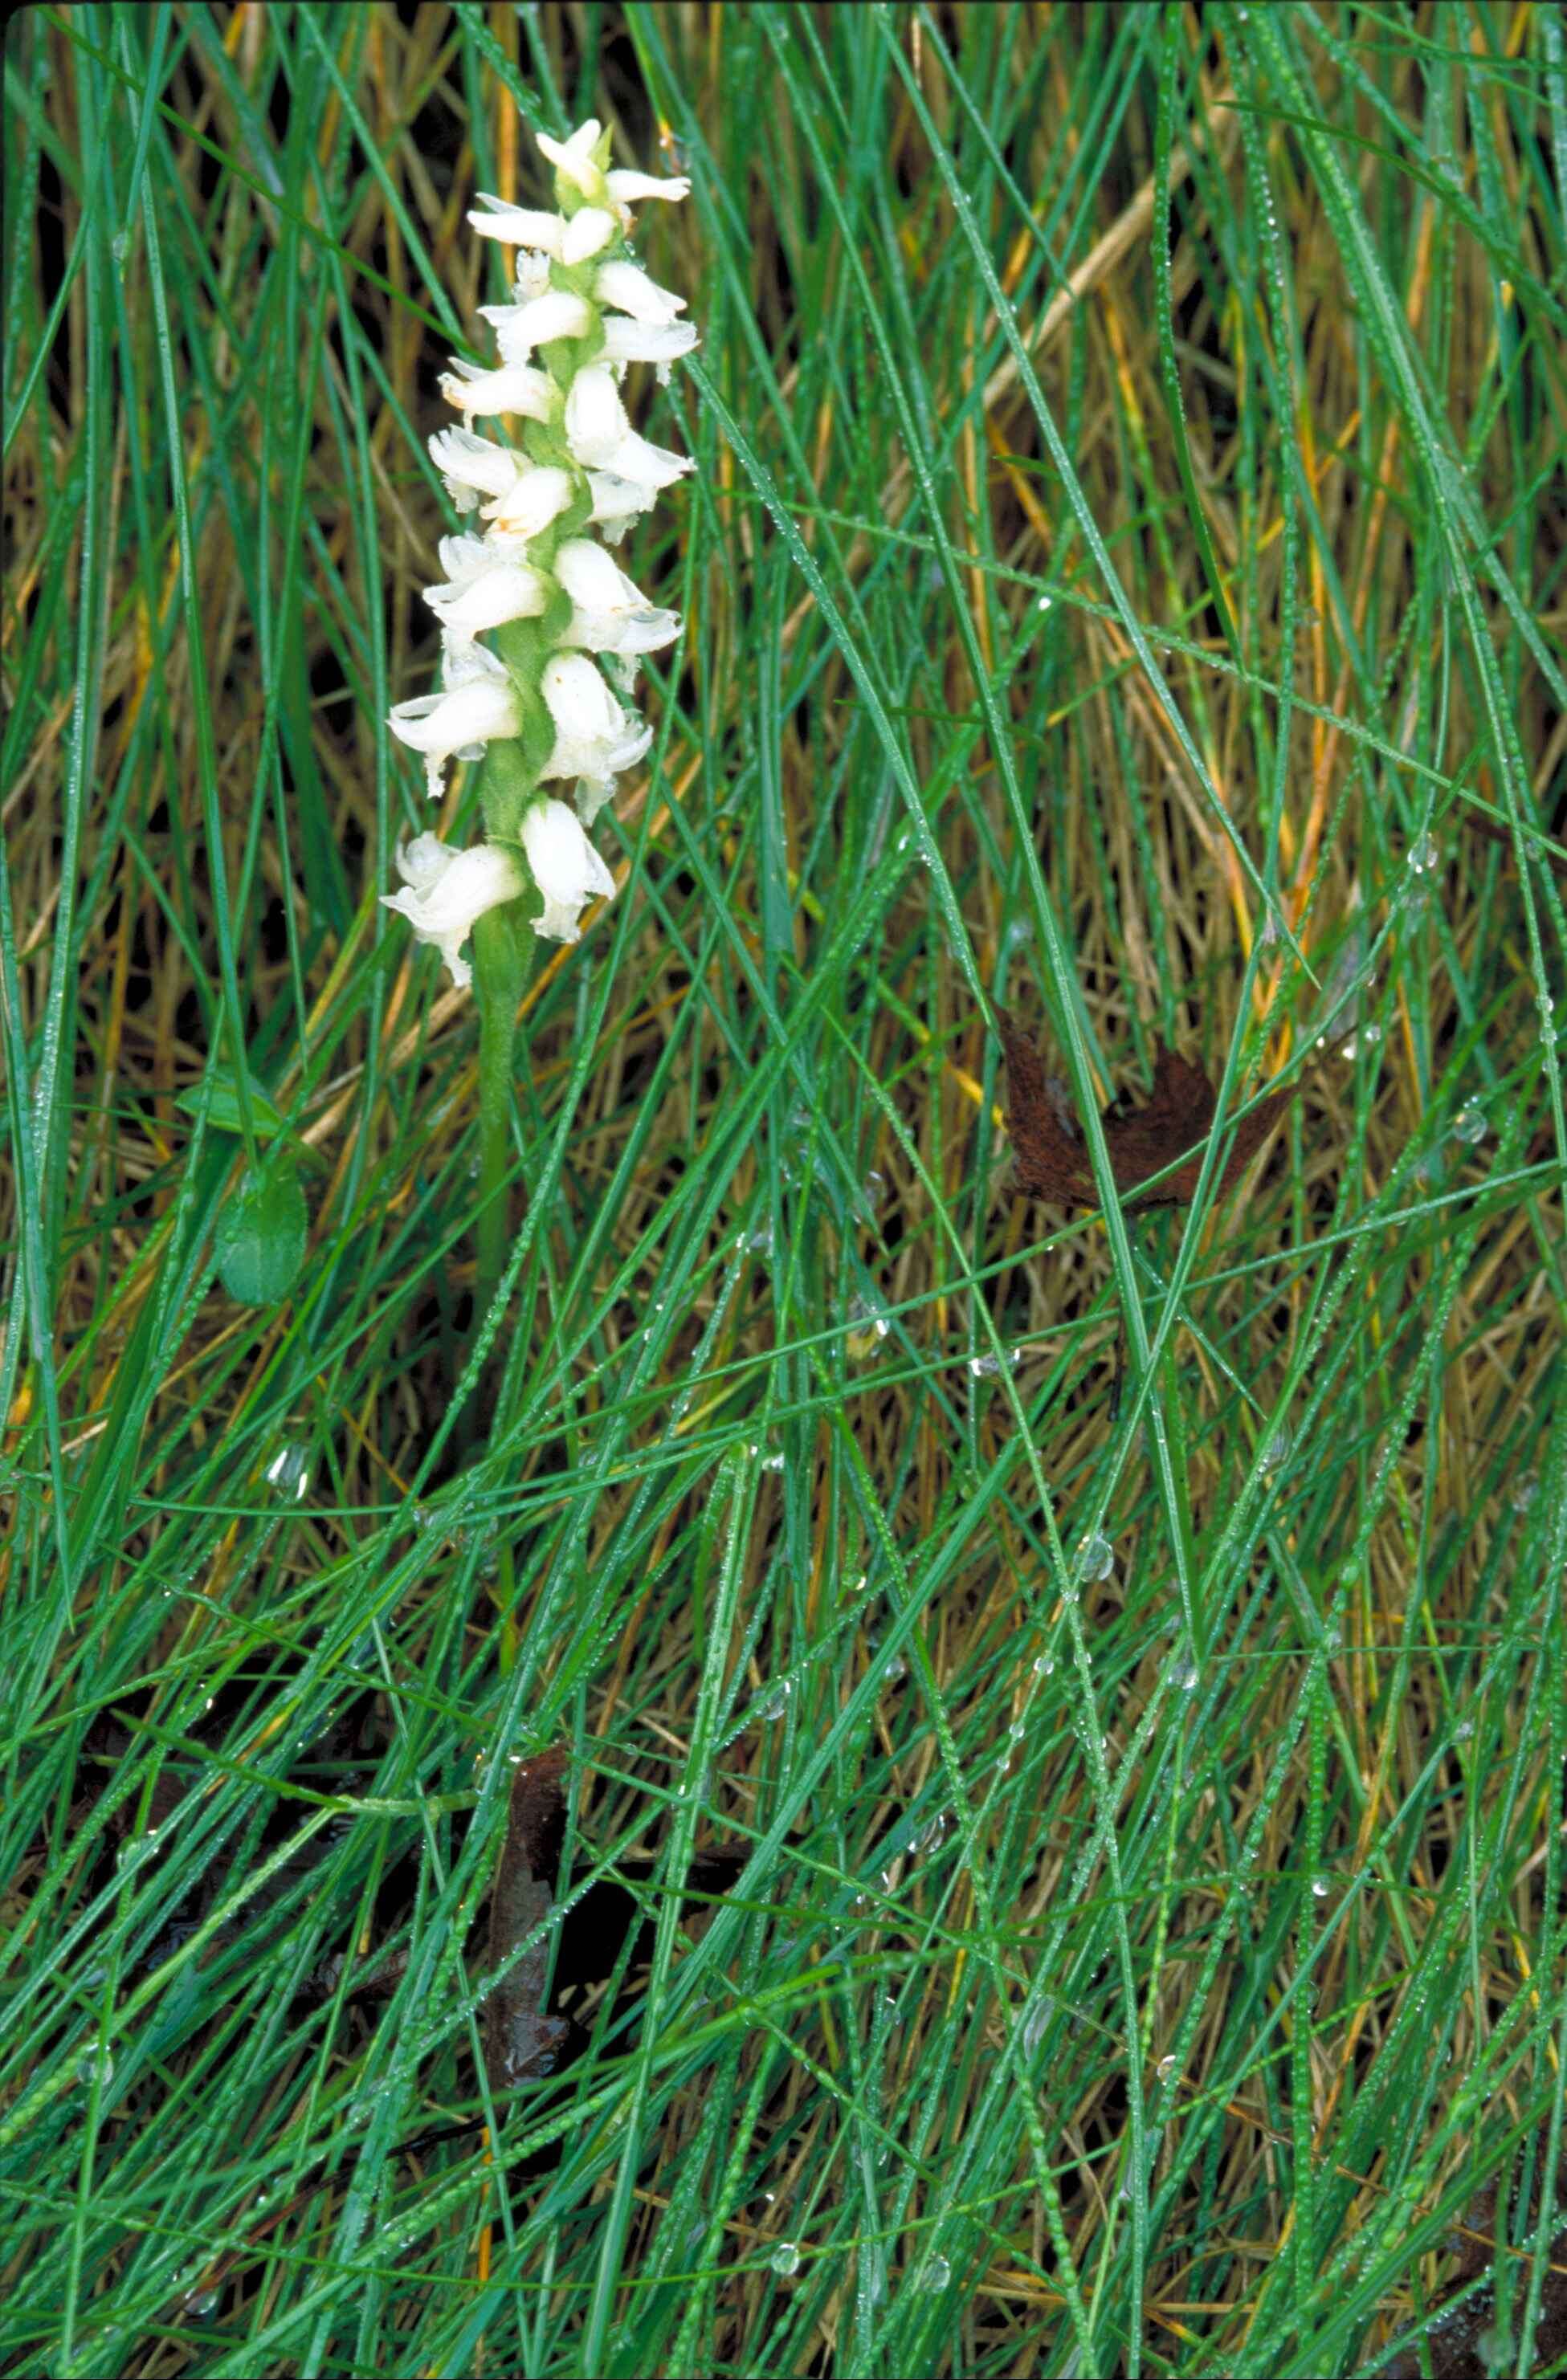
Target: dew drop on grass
(1423,855)
(868,1325)
(1276,1452)
(287,1474)
(1524,1490)
(202,2302)
(773,1462)
(1469,1126)
(1187,1676)
(1319,1887)
(931,1835)
(1044,1665)
(935,2273)
(1165,2069)
(786,2258)
(1032,2030)
(774,1701)
(1095,1557)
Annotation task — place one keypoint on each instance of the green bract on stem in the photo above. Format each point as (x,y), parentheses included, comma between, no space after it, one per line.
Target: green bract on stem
(540,629)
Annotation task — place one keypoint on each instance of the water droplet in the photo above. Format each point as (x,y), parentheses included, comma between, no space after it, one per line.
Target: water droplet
(1044,1665)
(202,2302)
(1187,1676)
(868,1325)
(1423,855)
(289,1474)
(931,1835)
(889,1878)
(1469,1124)
(1276,1452)
(1165,2069)
(1018,1730)
(773,1704)
(785,2258)
(1464,1731)
(1044,603)
(773,1462)
(1032,2030)
(1368,1038)
(935,2273)
(1269,937)
(1319,1887)
(760,1243)
(120,248)
(1524,1490)
(1094,1558)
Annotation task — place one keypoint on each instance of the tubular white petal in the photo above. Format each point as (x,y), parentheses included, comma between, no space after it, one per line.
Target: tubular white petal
(655,467)
(439,725)
(593,792)
(616,501)
(488,590)
(625,285)
(566,869)
(626,186)
(519,226)
(595,417)
(537,495)
(558,314)
(622,631)
(609,614)
(626,342)
(589,230)
(592,580)
(466,460)
(515,388)
(575,159)
(594,737)
(445,890)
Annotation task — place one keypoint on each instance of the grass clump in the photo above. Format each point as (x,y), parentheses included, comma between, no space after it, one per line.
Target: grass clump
(1123,584)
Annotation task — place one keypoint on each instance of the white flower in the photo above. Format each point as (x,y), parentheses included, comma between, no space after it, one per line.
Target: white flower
(601,439)
(515,388)
(589,230)
(574,159)
(487,583)
(469,465)
(626,342)
(616,502)
(626,286)
(625,186)
(566,869)
(610,614)
(594,737)
(479,704)
(557,314)
(520,227)
(595,418)
(536,497)
(446,890)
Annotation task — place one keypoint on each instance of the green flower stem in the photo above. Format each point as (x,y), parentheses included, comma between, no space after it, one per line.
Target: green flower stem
(500,969)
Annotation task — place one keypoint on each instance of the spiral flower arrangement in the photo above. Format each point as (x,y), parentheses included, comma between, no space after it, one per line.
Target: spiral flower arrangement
(540,629)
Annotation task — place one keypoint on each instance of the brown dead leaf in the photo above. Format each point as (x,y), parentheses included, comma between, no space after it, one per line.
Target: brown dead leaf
(1052,1154)
(519,2039)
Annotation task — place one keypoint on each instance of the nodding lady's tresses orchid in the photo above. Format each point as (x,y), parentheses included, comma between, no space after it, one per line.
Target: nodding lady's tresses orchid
(543,702)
